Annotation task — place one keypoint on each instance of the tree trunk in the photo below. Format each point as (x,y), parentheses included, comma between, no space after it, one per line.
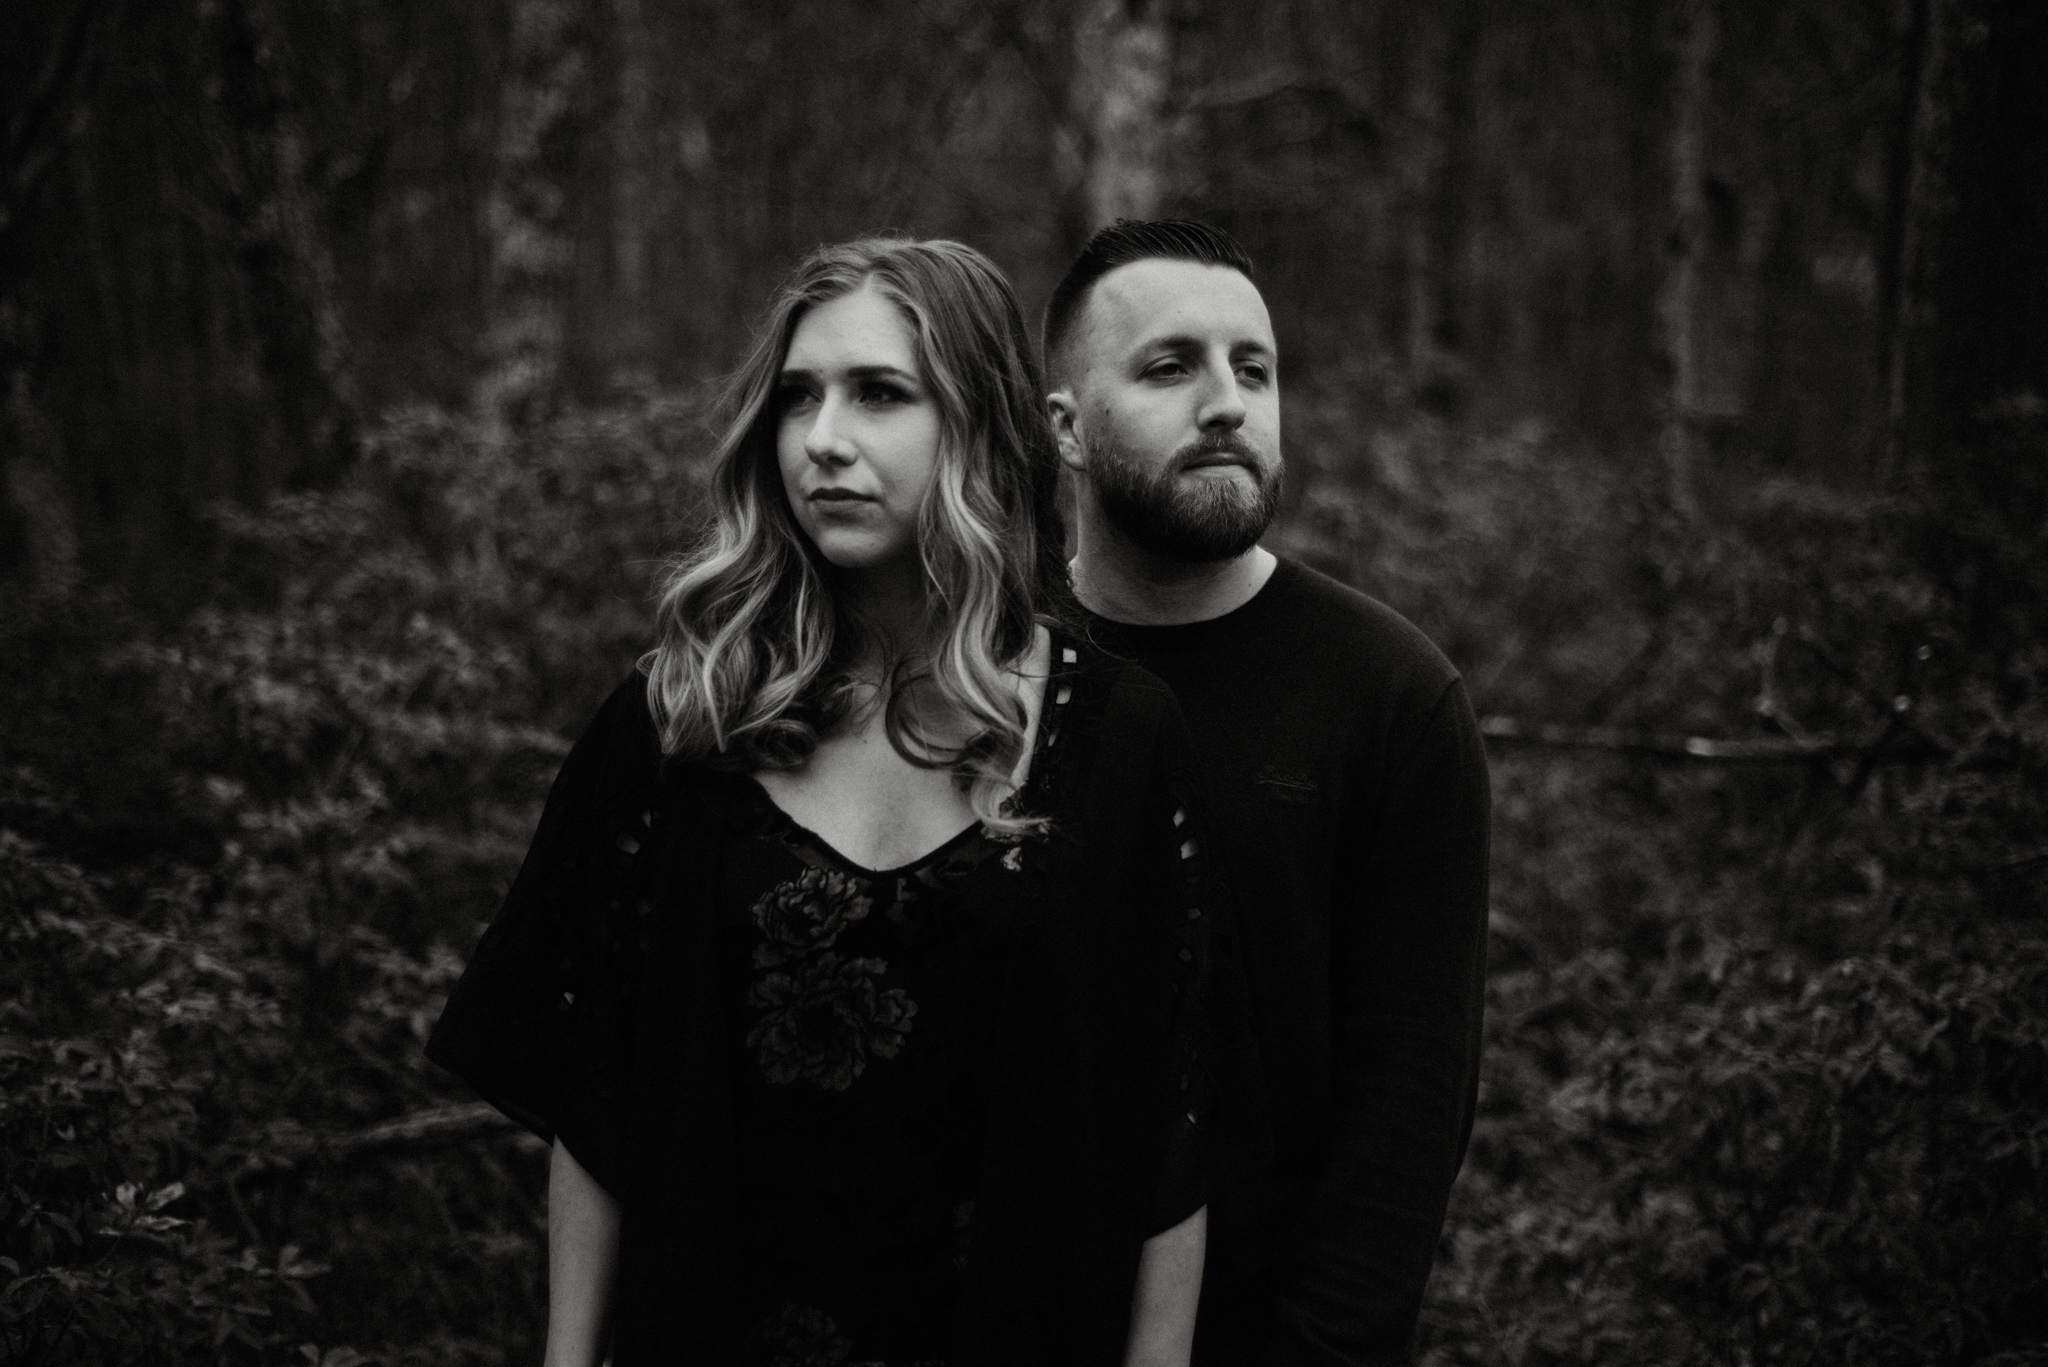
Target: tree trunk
(260,151)
(1438,55)
(1678,308)
(33,137)
(529,212)
(43,547)
(1123,53)
(629,348)
(1919,193)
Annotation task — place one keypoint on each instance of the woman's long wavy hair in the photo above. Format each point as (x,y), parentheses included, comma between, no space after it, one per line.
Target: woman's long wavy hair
(754,650)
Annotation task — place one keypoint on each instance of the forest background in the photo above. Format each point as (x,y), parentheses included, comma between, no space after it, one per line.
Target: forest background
(1677,364)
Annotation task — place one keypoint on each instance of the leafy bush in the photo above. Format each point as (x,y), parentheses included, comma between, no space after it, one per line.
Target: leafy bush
(1766,1069)
(1729,1155)
(302,802)
(121,1033)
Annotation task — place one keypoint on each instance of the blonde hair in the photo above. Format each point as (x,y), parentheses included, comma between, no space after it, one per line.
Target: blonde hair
(752,655)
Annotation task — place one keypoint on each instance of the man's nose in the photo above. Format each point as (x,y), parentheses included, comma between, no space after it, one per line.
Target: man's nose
(1222,404)
(826,443)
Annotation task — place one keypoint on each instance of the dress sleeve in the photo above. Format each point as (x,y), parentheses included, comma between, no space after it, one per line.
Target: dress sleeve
(539,1024)
(1210,1027)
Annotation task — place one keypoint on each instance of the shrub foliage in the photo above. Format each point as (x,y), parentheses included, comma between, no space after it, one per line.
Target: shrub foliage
(1767,1066)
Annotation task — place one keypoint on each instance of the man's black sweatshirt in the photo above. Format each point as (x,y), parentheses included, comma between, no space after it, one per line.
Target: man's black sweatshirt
(1348,782)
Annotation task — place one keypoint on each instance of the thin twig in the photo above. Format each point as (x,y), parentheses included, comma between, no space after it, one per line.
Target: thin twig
(1763,750)
(436,1124)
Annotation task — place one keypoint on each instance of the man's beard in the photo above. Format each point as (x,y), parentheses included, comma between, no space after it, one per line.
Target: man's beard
(1200,520)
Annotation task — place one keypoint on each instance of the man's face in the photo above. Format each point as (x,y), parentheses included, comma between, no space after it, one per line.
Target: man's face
(1172,408)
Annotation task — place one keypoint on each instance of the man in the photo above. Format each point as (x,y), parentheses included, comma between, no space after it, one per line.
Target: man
(1349,790)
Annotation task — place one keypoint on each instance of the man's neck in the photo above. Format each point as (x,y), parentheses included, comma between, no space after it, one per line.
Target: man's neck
(1124,583)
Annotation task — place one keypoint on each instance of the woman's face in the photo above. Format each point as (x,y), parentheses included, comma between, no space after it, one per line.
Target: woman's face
(858,440)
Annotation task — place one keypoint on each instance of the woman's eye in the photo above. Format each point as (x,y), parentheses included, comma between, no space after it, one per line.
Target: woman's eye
(791,397)
(880,392)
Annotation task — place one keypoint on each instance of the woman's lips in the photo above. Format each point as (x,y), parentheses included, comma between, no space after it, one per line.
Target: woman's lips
(839,496)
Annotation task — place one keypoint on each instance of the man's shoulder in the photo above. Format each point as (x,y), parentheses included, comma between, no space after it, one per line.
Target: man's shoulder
(1352,633)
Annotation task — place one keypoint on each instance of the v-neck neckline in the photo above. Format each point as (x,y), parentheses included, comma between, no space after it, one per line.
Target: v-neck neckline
(792,828)
(1062,659)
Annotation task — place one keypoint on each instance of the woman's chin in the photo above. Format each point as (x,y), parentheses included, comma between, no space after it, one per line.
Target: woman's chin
(861,555)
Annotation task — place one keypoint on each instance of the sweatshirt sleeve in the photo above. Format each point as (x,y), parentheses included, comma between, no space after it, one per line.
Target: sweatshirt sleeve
(1408,945)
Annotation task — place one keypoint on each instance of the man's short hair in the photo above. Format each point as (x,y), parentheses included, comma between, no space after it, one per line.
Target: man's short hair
(1121,243)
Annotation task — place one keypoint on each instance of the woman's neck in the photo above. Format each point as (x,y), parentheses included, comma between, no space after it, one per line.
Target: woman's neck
(890,601)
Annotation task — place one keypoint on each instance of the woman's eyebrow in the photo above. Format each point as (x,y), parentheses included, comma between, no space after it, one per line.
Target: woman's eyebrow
(856,372)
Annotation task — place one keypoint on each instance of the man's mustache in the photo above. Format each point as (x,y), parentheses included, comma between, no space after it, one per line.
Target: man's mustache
(1204,451)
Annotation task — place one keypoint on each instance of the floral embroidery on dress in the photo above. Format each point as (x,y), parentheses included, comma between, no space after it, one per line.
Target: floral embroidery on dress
(805,914)
(805,1336)
(821,1015)
(822,1019)
(798,1336)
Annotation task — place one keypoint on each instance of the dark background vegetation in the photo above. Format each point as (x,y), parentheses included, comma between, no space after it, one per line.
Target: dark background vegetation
(1677,364)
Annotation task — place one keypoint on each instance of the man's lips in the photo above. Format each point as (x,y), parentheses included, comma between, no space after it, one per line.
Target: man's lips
(1209,455)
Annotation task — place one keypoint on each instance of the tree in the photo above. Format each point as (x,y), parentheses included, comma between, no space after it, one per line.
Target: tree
(1122,93)
(530,216)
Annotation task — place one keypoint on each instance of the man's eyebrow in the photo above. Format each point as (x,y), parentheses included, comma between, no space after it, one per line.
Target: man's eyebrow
(1177,341)
(1184,341)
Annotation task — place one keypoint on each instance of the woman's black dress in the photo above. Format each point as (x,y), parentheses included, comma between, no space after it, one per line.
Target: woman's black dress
(854,1116)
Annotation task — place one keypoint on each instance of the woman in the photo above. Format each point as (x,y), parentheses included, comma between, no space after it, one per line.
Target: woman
(858,966)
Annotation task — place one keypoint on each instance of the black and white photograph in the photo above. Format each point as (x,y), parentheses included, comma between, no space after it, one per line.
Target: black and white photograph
(1023,683)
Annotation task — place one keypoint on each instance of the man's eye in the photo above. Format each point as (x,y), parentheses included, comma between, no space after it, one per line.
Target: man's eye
(1255,374)
(1166,370)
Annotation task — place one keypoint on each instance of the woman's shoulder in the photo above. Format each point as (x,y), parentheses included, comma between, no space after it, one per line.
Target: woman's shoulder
(620,746)
(1135,710)
(617,767)
(623,722)
(1113,677)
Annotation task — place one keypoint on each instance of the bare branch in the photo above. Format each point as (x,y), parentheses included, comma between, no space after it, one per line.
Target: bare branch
(436,1124)
(1765,750)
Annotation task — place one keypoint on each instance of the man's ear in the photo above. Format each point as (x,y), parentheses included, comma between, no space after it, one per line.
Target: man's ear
(1065,413)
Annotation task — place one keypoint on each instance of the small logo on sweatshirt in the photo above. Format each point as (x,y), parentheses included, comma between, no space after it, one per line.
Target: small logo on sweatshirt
(1286,785)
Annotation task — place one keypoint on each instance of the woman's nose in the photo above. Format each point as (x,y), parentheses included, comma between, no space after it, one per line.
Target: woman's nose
(826,443)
